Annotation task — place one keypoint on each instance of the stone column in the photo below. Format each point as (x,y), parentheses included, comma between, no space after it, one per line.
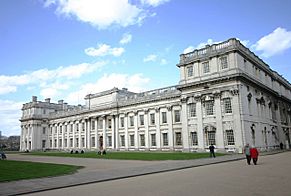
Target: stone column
(96,133)
(68,134)
(113,131)
(53,135)
(158,131)
(146,125)
(184,121)
(135,130)
(74,136)
(58,138)
(79,133)
(116,132)
(126,130)
(200,131)
(104,132)
(89,133)
(219,128)
(170,126)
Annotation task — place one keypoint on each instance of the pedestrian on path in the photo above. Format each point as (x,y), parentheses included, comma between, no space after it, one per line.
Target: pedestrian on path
(247,153)
(254,154)
(211,150)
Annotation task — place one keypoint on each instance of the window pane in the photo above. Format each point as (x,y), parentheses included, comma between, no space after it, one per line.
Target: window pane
(190,71)
(206,68)
(177,115)
(194,138)
(153,139)
(178,139)
(164,117)
(165,139)
(192,109)
(227,105)
(223,62)
(230,137)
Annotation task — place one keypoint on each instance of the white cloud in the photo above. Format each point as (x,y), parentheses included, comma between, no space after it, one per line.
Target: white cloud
(10,113)
(164,62)
(45,78)
(154,3)
(135,83)
(126,38)
(150,58)
(104,50)
(101,14)
(274,43)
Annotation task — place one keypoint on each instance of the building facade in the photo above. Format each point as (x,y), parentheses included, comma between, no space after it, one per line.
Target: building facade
(227,96)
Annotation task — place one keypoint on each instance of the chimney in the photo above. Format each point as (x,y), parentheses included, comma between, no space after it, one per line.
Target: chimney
(48,100)
(60,101)
(34,98)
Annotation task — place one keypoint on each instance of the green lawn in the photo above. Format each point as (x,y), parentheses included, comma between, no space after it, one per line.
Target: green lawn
(149,156)
(18,170)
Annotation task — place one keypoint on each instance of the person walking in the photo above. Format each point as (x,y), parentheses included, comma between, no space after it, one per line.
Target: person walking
(211,150)
(247,153)
(254,154)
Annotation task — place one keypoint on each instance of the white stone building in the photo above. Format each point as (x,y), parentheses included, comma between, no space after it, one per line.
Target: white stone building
(227,96)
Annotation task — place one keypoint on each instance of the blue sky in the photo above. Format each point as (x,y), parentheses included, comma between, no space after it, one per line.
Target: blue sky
(65,49)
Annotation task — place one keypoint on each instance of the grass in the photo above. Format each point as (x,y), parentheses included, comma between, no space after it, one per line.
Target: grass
(18,170)
(147,156)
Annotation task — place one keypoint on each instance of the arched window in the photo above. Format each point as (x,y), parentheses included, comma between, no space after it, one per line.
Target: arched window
(210,135)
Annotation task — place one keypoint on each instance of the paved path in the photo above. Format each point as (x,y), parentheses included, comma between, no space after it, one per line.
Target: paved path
(271,177)
(98,170)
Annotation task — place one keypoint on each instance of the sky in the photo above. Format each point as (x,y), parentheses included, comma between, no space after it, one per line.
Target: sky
(65,49)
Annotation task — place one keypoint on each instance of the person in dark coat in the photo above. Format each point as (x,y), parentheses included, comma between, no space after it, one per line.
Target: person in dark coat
(247,152)
(211,150)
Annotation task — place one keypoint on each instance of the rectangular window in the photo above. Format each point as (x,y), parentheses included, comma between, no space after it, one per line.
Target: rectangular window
(51,143)
(178,137)
(109,123)
(210,138)
(165,139)
(194,138)
(142,140)
(83,142)
(223,62)
(61,129)
(43,130)
(65,127)
(51,131)
(227,105)
(93,142)
(122,140)
(109,138)
(209,106)
(77,127)
(192,109)
(131,137)
(164,117)
(43,143)
(206,68)
(153,139)
(121,122)
(65,143)
(77,142)
(141,120)
(229,137)
(71,128)
(55,143)
(100,124)
(190,71)
(83,127)
(60,142)
(71,142)
(152,118)
(131,121)
(177,116)
(93,125)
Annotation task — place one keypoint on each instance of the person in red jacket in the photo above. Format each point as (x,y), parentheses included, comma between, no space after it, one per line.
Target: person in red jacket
(254,155)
